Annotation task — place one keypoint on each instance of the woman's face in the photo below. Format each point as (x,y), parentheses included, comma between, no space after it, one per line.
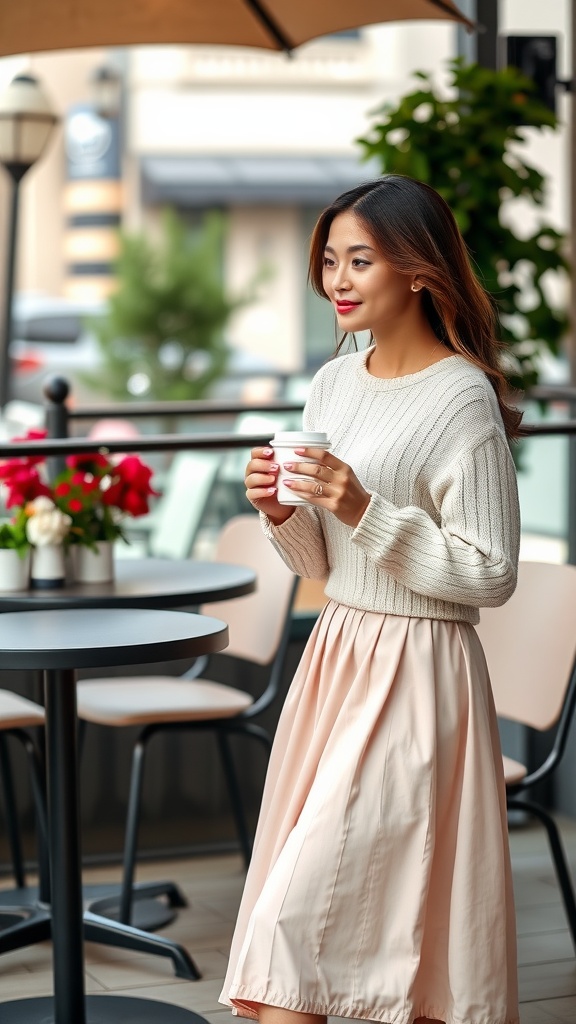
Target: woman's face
(367,294)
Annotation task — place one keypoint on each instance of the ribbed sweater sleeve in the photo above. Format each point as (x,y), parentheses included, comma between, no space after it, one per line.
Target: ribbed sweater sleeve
(470,556)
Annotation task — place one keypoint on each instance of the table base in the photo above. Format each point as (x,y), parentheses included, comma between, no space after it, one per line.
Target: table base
(101,1010)
(24,921)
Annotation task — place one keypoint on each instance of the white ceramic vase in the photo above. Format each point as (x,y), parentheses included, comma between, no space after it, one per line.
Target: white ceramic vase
(90,566)
(48,567)
(14,571)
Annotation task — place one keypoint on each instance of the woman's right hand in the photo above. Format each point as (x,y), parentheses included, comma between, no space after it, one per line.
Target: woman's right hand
(261,481)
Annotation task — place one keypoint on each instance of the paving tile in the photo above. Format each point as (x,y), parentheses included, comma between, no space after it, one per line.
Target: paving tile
(546,981)
(40,983)
(545,947)
(563,1009)
(117,975)
(200,996)
(532,920)
(537,1013)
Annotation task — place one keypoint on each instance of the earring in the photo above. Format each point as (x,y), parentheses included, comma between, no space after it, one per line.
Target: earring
(415,288)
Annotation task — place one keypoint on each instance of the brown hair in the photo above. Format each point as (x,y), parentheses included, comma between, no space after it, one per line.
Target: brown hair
(417,234)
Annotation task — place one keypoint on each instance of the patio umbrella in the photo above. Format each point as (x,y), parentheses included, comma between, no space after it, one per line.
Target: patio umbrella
(28,26)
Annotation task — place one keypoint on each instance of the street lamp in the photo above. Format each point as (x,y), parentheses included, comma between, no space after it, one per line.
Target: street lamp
(26,123)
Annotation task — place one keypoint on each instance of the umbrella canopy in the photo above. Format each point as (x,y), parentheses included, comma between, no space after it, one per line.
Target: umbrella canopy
(28,26)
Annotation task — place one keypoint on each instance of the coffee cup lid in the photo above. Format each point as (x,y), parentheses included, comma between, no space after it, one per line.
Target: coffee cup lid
(300,437)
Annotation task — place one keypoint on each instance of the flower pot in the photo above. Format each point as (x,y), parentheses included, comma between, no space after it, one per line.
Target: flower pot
(90,566)
(48,568)
(14,571)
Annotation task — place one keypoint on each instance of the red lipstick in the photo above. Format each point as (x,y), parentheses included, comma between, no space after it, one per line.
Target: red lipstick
(346,307)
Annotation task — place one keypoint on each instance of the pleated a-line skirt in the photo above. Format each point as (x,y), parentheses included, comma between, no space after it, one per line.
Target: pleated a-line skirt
(380,884)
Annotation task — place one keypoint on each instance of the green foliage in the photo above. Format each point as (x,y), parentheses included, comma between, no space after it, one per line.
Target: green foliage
(13,534)
(162,337)
(469,148)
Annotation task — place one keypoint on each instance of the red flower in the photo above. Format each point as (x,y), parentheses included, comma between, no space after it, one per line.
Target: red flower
(62,489)
(23,483)
(75,505)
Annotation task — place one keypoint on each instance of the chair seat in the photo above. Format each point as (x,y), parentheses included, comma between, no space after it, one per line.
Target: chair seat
(17,712)
(514,771)
(145,699)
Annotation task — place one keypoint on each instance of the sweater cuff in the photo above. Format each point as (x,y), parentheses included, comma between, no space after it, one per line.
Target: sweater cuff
(374,529)
(300,542)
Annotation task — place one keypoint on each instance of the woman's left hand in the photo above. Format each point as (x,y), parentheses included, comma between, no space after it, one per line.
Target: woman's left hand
(332,485)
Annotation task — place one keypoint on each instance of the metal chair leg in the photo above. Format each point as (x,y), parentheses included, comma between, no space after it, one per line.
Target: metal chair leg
(11,814)
(558,856)
(132,822)
(235,796)
(101,929)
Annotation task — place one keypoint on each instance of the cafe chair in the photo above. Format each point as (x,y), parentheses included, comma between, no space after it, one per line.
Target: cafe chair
(29,922)
(530,647)
(17,714)
(259,628)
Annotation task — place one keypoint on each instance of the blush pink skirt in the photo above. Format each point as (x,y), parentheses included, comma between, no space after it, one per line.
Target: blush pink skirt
(380,884)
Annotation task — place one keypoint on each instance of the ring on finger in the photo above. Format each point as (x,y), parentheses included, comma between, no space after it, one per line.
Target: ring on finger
(318,490)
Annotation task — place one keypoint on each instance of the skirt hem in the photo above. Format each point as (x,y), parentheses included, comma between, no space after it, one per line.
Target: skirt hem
(240,1004)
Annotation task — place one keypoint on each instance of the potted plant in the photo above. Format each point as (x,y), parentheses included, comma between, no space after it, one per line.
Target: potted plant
(468,145)
(98,494)
(82,511)
(14,553)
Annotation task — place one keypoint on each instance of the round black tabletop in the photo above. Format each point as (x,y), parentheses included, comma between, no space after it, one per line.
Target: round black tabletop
(143,583)
(89,638)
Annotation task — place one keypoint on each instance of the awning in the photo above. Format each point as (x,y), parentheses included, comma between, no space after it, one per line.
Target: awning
(250,180)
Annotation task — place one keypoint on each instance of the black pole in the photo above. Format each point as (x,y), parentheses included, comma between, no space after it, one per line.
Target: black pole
(487,39)
(56,391)
(6,335)
(64,833)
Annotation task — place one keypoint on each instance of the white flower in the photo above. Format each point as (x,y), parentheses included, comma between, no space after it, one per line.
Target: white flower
(47,524)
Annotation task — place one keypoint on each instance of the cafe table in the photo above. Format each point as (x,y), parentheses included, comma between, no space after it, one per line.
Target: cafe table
(57,643)
(158,583)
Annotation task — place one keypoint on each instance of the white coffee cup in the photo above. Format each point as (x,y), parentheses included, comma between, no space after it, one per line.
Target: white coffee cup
(284,442)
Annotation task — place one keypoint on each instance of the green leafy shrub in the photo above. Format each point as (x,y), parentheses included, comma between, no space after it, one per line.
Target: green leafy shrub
(469,148)
(162,337)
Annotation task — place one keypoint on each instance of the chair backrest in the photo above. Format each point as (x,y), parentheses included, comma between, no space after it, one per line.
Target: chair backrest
(178,513)
(530,644)
(256,622)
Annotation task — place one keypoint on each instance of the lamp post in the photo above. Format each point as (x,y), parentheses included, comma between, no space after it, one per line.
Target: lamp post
(26,123)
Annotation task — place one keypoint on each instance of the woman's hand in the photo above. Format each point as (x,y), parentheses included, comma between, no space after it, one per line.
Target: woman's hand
(332,485)
(262,488)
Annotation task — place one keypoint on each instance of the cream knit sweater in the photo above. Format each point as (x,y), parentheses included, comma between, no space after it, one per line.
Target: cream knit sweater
(440,536)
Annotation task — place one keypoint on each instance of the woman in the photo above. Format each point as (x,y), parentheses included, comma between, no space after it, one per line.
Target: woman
(380,883)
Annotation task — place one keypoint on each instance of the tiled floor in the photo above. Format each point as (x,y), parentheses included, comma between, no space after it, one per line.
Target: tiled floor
(547,963)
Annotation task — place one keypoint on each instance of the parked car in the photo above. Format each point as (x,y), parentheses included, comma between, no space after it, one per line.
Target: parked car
(49,338)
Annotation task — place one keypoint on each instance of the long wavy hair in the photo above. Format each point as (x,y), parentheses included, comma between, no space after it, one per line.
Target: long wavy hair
(417,234)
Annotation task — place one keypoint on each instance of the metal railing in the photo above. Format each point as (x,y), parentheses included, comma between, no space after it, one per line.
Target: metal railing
(59,415)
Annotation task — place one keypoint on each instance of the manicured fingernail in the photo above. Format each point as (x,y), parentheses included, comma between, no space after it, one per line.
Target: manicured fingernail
(271,490)
(300,451)
(274,466)
(267,451)
(288,465)
(288,483)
